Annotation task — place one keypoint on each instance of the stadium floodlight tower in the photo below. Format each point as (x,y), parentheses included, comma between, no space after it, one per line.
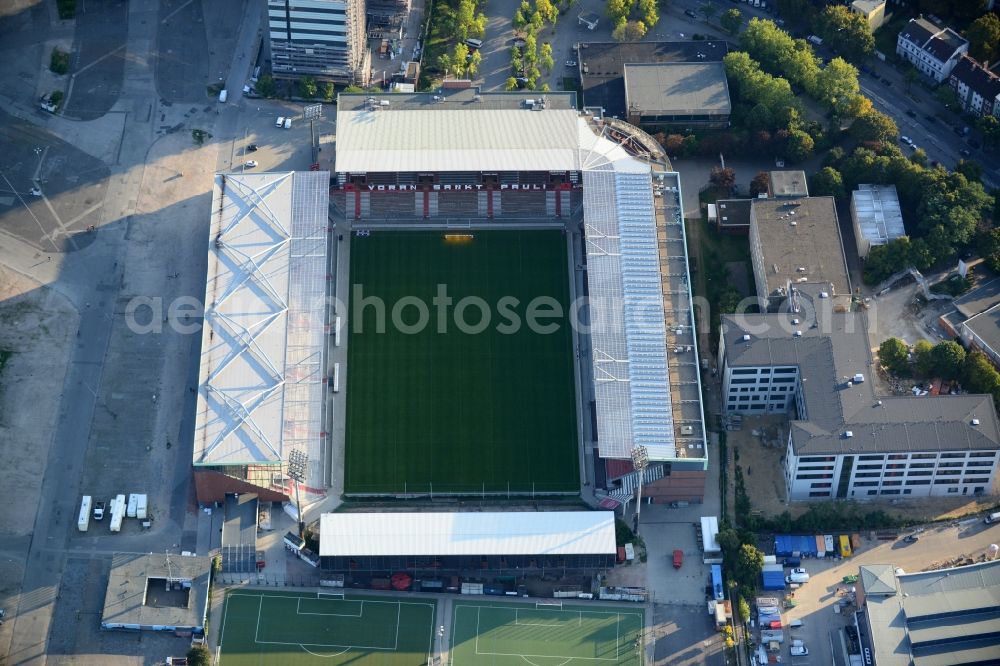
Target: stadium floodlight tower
(640,459)
(297,462)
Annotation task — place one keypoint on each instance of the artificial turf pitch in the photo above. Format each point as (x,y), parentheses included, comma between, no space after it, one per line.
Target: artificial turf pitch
(498,634)
(263,628)
(447,411)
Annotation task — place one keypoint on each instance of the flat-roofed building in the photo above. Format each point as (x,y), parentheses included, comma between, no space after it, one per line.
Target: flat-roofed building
(795,241)
(157,592)
(788,183)
(931,618)
(877,216)
(679,94)
(602,67)
(733,216)
(813,361)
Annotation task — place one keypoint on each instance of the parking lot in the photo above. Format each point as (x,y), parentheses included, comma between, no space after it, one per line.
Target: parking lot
(277,149)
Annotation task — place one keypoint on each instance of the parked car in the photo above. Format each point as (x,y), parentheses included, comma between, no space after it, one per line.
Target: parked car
(930,118)
(252,148)
(911,113)
(280,122)
(905,139)
(251,164)
(691,13)
(799,651)
(571,63)
(678,558)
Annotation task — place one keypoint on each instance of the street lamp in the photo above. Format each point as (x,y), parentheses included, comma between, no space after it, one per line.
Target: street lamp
(297,462)
(640,459)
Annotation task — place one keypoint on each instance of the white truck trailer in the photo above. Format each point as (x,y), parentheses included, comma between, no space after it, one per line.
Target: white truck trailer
(117,513)
(83,521)
(141,506)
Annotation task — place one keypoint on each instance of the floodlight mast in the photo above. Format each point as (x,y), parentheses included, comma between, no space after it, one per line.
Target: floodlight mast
(640,459)
(297,462)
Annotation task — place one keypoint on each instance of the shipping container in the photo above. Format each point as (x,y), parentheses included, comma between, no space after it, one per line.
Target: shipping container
(133,500)
(845,546)
(118,507)
(820,546)
(718,591)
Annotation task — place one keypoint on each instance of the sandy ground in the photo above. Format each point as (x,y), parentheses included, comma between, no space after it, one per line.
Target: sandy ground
(36,325)
(762,473)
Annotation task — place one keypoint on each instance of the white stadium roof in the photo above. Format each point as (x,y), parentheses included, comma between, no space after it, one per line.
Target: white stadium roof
(468,533)
(262,370)
(440,139)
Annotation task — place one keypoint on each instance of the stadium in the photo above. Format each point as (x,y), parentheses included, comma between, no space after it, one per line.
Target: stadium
(512,313)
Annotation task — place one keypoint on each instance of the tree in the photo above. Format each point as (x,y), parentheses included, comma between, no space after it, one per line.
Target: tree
(545,59)
(519,22)
(328,91)
(798,146)
(923,358)
(723,178)
(838,85)
(618,10)
(510,84)
(307,87)
(649,12)
(199,655)
(630,31)
(979,375)
(744,609)
(827,182)
(973,171)
(459,59)
(948,98)
(749,565)
(761,184)
(984,38)
(729,540)
(845,32)
(948,358)
(990,127)
(910,76)
(475,59)
(547,10)
(874,126)
(266,87)
(893,354)
(708,9)
(731,20)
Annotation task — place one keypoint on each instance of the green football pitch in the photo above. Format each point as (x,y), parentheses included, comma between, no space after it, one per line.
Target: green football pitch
(306,629)
(445,408)
(494,634)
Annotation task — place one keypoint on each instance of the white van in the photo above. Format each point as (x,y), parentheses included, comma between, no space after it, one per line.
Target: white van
(223,96)
(992,518)
(474,43)
(797,576)
(280,122)
(288,123)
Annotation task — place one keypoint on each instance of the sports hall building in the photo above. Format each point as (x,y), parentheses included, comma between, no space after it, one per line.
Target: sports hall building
(461,159)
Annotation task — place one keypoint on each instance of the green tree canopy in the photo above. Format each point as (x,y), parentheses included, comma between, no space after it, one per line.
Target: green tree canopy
(307,87)
(630,31)
(827,182)
(923,358)
(510,84)
(948,358)
(874,126)
(893,354)
(846,32)
(838,86)
(199,655)
(984,38)
(731,20)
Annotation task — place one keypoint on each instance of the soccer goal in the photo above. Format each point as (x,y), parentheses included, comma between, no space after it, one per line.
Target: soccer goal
(548,605)
(330,595)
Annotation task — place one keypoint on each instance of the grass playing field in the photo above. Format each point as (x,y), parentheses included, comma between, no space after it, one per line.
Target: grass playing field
(496,634)
(444,410)
(301,629)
